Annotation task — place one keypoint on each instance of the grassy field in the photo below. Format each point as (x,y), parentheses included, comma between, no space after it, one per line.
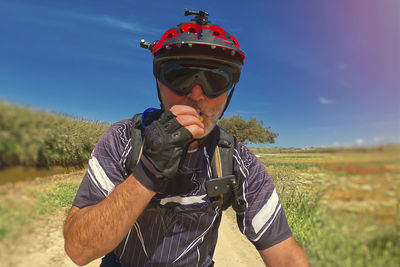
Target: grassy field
(342,205)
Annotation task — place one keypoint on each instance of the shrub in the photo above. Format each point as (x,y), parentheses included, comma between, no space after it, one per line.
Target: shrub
(42,139)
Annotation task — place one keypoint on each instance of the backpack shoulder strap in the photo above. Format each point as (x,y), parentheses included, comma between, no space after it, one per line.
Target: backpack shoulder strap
(222,162)
(136,143)
(139,122)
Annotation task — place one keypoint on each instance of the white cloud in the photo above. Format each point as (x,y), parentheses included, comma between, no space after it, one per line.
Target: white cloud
(359,141)
(120,24)
(58,17)
(325,101)
(112,22)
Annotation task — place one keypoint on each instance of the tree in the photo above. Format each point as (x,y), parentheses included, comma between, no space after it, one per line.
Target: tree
(248,131)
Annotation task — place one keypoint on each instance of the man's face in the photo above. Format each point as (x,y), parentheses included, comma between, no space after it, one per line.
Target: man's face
(210,108)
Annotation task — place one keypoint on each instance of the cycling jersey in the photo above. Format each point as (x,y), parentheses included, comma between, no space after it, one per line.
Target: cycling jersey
(160,238)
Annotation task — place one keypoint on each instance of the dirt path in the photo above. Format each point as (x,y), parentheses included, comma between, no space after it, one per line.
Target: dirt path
(44,245)
(233,249)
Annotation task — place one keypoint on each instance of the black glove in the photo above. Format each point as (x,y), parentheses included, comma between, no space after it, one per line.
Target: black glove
(165,140)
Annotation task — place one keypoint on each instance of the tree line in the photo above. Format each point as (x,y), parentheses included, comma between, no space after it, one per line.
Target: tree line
(251,131)
(43,139)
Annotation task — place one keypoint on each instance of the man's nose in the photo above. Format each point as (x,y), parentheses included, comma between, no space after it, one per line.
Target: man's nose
(196,94)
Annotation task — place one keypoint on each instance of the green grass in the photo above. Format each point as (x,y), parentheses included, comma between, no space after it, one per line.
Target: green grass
(329,237)
(16,216)
(330,240)
(58,195)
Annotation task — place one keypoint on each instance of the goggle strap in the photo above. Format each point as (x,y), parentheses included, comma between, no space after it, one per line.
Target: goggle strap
(158,93)
(228,100)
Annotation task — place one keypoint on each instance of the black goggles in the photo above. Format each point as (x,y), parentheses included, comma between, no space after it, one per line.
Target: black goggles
(213,77)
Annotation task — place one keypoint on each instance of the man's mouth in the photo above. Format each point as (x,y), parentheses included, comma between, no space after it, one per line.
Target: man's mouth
(201,117)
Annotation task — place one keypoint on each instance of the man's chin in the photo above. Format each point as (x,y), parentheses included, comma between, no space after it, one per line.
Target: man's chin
(208,130)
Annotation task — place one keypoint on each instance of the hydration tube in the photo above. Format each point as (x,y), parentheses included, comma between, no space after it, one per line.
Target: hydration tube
(144,114)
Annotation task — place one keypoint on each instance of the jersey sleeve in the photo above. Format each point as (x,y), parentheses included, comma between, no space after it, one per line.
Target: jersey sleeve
(259,211)
(106,167)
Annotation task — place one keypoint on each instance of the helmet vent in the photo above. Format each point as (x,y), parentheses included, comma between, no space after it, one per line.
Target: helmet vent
(197,39)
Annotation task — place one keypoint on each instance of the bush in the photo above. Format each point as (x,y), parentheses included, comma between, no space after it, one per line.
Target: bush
(41,139)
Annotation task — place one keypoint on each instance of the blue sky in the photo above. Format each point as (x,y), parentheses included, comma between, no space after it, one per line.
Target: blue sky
(320,73)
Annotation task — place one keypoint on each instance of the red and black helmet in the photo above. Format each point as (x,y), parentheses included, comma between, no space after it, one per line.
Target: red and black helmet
(197,39)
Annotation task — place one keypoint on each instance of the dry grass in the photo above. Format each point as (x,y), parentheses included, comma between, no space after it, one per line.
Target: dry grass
(343,206)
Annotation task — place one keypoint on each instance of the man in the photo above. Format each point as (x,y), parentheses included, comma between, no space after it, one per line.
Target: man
(160,213)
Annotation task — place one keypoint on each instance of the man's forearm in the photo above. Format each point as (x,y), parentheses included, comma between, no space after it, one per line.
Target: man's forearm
(93,231)
(286,253)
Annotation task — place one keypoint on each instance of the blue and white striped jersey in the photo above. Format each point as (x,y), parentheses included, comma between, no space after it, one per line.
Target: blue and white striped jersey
(184,239)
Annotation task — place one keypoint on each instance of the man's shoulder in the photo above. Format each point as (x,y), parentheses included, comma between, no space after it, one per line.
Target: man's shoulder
(239,147)
(117,136)
(241,153)
(246,159)
(122,123)
(121,128)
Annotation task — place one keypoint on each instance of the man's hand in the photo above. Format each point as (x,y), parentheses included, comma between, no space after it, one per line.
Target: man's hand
(164,143)
(188,117)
